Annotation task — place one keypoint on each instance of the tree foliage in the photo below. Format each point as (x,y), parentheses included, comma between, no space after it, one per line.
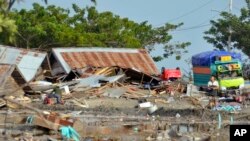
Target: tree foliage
(8,27)
(10,3)
(51,26)
(240,30)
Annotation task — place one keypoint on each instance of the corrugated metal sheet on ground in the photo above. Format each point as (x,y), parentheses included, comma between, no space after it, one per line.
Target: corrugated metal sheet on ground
(112,78)
(202,70)
(71,58)
(27,61)
(201,79)
(92,81)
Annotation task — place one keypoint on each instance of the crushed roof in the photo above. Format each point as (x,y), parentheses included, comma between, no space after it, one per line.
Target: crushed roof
(26,61)
(74,58)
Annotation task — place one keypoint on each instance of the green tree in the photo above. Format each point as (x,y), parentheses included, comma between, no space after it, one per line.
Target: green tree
(237,26)
(7,26)
(53,26)
(10,3)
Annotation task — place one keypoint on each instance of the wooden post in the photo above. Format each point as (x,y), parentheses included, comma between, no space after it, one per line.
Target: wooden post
(142,78)
(48,62)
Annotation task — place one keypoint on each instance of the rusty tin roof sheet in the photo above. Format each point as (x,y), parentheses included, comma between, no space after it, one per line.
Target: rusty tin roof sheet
(26,61)
(139,59)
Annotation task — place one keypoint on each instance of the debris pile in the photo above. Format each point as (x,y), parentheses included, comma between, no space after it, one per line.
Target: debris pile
(90,94)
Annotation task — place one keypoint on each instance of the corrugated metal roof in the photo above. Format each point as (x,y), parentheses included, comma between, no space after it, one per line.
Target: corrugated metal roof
(27,62)
(139,59)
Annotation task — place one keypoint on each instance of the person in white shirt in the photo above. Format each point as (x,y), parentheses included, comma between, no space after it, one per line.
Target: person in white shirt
(213,86)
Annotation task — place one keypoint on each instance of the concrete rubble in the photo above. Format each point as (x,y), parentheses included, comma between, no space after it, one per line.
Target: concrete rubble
(113,103)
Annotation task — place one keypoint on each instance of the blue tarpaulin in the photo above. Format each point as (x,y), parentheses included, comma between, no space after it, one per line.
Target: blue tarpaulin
(70,133)
(206,58)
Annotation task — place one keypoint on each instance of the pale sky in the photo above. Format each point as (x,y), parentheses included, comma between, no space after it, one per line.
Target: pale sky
(195,14)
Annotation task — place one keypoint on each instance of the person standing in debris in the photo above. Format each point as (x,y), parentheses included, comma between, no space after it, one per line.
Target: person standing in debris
(213,86)
(57,93)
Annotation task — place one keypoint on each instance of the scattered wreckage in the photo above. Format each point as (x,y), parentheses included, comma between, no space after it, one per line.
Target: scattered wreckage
(107,94)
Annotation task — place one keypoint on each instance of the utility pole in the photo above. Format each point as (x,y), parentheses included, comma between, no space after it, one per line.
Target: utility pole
(230,28)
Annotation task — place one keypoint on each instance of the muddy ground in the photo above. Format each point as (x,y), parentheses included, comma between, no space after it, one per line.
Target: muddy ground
(121,119)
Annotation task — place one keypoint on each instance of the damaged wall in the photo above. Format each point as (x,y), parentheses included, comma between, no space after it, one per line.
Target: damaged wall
(7,82)
(56,67)
(9,87)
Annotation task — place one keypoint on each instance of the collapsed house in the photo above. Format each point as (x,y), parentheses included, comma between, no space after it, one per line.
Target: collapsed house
(18,67)
(68,63)
(87,111)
